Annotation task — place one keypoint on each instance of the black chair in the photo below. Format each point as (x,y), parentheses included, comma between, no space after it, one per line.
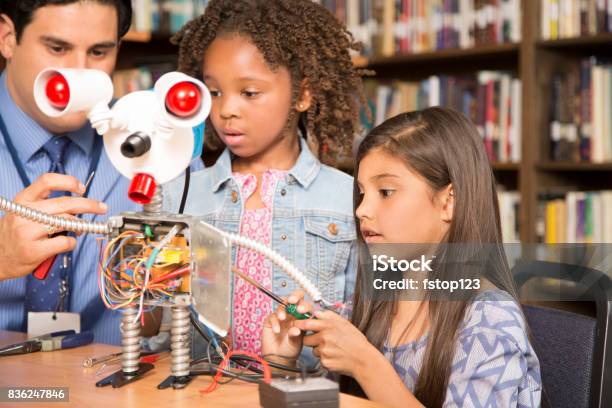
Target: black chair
(575,351)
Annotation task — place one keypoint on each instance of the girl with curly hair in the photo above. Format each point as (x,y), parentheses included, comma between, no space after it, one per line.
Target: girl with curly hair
(284,90)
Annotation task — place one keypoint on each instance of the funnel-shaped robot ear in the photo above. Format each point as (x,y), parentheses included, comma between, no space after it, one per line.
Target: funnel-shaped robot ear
(185,101)
(58,91)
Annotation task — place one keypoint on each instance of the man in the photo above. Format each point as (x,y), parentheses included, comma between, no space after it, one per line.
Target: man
(34,35)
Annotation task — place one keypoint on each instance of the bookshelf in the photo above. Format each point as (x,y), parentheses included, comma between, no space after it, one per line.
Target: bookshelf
(475,54)
(579,167)
(579,43)
(534,61)
(547,177)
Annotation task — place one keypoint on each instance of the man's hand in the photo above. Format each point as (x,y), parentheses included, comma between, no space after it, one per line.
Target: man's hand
(25,244)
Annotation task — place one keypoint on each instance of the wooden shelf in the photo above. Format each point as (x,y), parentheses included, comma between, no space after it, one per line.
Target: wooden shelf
(569,166)
(589,40)
(505,166)
(146,37)
(347,165)
(488,51)
(134,36)
(360,61)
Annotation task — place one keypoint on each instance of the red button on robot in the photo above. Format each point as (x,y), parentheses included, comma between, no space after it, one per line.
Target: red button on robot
(142,189)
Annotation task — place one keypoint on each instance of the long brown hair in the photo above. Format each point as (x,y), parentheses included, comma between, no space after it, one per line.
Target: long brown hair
(445,148)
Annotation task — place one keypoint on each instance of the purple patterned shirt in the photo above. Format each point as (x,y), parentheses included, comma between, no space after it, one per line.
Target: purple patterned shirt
(494,363)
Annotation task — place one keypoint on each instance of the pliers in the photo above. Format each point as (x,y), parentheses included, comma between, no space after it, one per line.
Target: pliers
(48,342)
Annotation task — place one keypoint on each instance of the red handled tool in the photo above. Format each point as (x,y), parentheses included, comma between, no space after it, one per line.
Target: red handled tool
(43,269)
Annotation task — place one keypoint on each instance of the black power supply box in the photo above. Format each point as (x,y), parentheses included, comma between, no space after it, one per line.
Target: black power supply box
(311,392)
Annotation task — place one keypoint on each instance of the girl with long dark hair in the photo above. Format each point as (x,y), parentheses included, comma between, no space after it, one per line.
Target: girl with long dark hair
(424,178)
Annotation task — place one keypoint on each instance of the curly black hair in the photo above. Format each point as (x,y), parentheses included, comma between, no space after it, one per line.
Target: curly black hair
(302,36)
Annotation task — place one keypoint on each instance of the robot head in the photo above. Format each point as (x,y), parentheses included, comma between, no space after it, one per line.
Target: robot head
(147,134)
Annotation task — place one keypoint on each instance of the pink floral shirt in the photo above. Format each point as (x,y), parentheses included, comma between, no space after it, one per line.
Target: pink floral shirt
(250,305)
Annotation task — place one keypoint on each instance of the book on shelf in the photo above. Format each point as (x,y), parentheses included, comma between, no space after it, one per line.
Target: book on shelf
(575,217)
(491,99)
(164,16)
(574,18)
(581,113)
(389,27)
(509,204)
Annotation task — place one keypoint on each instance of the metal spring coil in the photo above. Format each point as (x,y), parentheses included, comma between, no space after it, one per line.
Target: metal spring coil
(156,204)
(130,341)
(179,341)
(60,223)
(281,262)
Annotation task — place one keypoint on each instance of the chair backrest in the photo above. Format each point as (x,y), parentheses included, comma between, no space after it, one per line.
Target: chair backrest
(564,343)
(598,288)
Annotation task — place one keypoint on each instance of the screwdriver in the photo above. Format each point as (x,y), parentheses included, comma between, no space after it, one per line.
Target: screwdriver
(92,361)
(289,307)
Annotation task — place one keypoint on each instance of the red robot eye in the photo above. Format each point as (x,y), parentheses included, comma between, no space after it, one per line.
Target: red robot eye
(183,99)
(58,91)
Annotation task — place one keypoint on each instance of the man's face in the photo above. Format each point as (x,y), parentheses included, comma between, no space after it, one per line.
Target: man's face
(77,35)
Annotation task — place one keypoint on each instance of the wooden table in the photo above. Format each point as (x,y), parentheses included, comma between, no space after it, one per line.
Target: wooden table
(63,368)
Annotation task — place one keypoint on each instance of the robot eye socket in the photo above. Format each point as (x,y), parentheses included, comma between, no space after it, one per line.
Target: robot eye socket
(58,91)
(183,99)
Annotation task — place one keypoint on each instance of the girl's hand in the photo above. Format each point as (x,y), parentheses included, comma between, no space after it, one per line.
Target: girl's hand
(280,339)
(340,346)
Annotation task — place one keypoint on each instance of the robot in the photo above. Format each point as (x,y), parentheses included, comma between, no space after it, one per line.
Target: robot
(153,258)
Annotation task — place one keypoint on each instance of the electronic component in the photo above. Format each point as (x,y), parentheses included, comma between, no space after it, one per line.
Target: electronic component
(300,392)
(168,260)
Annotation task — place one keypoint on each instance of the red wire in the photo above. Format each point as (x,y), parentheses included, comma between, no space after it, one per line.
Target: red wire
(150,358)
(178,272)
(213,385)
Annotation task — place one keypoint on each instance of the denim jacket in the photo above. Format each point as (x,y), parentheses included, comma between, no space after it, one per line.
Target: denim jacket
(312,219)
